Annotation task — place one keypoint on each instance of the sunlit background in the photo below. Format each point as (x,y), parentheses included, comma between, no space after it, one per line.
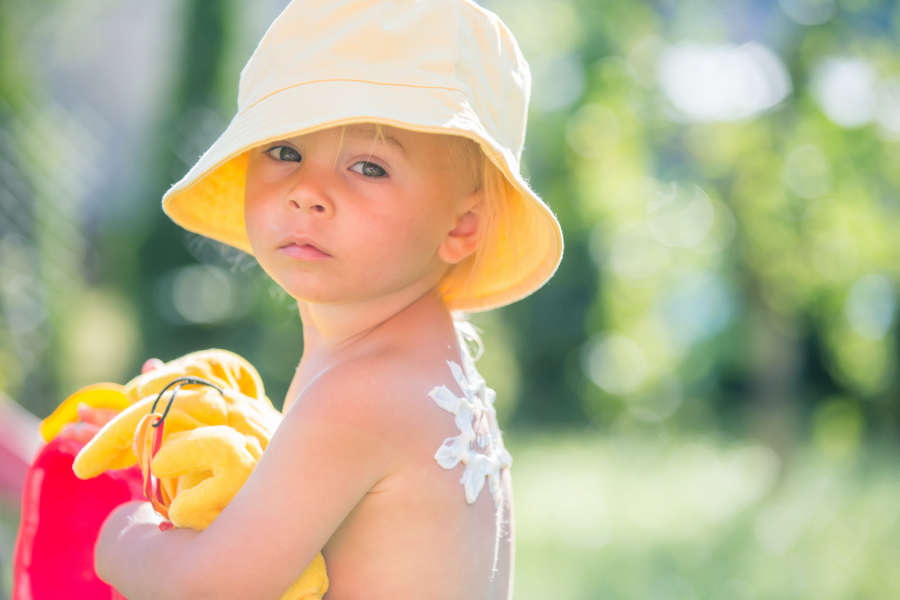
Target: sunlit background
(702,404)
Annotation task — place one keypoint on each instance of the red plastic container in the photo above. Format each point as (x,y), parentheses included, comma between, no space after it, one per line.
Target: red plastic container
(61,519)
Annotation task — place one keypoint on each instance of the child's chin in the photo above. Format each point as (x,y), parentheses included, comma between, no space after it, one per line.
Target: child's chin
(308,287)
(315,288)
(320,294)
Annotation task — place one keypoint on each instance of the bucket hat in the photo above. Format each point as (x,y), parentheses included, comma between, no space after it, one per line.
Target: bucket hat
(434,66)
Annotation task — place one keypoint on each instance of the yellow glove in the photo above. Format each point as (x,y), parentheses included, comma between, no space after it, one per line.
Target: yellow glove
(209,442)
(243,405)
(202,470)
(224,368)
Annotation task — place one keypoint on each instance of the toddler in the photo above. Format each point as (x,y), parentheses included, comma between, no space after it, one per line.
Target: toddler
(373,171)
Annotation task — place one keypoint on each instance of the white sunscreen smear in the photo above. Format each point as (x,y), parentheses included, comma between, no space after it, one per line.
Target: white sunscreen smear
(477,422)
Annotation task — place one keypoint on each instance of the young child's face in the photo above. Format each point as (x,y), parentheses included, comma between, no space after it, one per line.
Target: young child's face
(342,220)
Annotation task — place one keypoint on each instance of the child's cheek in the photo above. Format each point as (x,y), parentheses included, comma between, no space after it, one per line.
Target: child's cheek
(258,223)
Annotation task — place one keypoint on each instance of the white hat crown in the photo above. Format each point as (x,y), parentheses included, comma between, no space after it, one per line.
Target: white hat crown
(451,45)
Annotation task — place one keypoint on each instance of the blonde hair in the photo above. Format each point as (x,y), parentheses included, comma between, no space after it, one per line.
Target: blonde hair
(493,214)
(493,221)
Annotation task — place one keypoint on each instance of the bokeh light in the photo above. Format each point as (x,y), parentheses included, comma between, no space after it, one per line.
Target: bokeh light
(722,82)
(846,89)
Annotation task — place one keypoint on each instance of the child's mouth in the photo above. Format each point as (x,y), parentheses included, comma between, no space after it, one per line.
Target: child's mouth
(303,252)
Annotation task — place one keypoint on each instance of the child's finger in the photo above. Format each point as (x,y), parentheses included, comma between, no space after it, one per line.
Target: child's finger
(79,432)
(152,364)
(95,416)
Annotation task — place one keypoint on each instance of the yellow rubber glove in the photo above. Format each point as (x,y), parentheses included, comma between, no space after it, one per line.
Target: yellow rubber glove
(243,406)
(210,443)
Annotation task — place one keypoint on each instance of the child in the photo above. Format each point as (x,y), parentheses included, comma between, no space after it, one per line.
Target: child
(373,171)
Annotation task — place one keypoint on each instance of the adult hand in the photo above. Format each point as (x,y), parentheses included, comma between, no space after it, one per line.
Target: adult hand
(91,420)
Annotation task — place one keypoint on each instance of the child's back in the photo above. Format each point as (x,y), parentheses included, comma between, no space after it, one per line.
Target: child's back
(413,535)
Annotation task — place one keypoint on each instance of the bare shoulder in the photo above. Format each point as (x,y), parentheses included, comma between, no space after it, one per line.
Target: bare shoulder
(384,395)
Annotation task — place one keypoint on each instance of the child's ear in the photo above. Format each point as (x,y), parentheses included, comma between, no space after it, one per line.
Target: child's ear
(461,241)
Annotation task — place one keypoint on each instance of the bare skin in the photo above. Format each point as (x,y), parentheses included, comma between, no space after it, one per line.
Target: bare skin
(413,535)
(351,469)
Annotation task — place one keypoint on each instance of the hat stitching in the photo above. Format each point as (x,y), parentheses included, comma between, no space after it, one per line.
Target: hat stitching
(428,87)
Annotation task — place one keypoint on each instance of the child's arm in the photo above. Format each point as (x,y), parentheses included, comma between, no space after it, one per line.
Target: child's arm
(131,534)
(331,448)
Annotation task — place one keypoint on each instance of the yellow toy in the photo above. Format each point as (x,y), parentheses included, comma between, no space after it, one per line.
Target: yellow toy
(99,395)
(200,450)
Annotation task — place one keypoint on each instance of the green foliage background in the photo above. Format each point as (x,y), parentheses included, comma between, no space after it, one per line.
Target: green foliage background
(713,419)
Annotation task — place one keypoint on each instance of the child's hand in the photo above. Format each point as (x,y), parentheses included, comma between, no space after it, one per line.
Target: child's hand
(137,515)
(151,364)
(91,420)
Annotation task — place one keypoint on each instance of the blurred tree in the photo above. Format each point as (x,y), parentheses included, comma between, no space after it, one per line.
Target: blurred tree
(28,341)
(723,173)
(226,300)
(738,207)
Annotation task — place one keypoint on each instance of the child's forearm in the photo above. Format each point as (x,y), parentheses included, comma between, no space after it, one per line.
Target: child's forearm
(142,562)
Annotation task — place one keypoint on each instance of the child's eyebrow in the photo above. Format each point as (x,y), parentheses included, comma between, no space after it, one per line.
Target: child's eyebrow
(371,134)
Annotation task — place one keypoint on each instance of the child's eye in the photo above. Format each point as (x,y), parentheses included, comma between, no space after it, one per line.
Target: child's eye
(369,169)
(284,153)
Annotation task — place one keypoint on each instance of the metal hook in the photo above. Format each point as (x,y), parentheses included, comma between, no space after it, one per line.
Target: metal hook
(181,381)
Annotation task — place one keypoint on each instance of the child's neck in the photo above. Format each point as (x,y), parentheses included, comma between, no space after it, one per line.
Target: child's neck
(334,334)
(337,328)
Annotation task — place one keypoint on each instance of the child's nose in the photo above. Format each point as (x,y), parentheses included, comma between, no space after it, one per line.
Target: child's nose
(311,195)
